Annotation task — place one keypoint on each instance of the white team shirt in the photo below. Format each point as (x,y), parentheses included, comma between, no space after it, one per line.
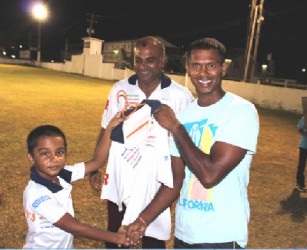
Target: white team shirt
(43,208)
(134,174)
(127,91)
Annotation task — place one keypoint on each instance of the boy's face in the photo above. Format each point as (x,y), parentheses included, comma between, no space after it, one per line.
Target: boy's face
(48,156)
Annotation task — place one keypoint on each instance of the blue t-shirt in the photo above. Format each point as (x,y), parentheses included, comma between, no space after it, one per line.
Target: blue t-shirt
(219,214)
(301,126)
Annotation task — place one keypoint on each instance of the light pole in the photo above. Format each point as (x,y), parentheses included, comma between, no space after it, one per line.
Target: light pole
(40,13)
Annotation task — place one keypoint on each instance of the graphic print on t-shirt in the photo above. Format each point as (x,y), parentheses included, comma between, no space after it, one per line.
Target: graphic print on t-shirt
(199,197)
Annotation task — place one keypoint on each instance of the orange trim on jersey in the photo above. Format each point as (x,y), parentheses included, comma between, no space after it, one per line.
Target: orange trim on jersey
(137,129)
(124,94)
(133,106)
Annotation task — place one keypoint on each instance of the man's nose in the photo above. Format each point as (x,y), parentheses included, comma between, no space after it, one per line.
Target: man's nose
(204,70)
(143,64)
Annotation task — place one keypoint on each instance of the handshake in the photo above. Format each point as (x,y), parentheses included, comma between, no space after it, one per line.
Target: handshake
(131,235)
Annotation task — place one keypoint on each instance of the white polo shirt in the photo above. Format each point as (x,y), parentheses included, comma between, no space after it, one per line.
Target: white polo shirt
(127,91)
(43,208)
(134,174)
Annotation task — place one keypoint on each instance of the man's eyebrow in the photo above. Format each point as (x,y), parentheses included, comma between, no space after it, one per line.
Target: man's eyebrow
(151,57)
(147,58)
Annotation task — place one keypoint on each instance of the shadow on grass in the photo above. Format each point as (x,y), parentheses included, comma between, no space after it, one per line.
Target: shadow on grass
(296,205)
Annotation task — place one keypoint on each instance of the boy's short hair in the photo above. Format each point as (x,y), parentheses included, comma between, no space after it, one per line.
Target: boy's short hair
(206,44)
(40,131)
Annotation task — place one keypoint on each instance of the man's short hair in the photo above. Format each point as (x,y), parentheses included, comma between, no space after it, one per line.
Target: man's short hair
(206,44)
(144,41)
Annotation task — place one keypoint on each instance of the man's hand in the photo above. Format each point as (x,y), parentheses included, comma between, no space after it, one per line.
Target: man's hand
(95,180)
(135,231)
(130,242)
(166,117)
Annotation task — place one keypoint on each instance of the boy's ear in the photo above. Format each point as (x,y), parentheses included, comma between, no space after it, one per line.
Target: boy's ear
(30,159)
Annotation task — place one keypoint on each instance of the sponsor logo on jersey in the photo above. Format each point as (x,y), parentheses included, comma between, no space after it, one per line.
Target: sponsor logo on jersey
(40,200)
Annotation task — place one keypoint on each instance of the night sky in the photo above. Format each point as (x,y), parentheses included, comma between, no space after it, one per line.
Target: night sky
(283,32)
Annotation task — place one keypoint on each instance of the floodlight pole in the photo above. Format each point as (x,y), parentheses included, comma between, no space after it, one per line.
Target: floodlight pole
(249,34)
(257,38)
(250,44)
(40,13)
(39,44)
(255,17)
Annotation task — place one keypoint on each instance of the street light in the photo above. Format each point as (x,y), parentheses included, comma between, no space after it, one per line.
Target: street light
(40,13)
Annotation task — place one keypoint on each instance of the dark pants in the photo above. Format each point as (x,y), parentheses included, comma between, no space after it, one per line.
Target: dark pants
(227,245)
(300,179)
(114,222)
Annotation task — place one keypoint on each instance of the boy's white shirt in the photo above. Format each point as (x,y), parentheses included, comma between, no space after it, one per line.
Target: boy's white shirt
(43,208)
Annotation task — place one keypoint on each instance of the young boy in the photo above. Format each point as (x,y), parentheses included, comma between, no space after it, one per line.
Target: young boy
(47,198)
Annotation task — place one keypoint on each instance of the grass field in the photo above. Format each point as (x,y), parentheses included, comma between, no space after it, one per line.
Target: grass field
(32,96)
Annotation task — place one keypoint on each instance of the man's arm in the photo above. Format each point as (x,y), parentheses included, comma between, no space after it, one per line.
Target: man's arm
(162,200)
(211,168)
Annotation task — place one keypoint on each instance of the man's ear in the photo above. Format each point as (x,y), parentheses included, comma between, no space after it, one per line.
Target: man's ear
(224,68)
(163,60)
(30,159)
(186,65)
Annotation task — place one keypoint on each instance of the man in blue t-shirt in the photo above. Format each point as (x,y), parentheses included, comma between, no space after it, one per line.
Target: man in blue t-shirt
(213,143)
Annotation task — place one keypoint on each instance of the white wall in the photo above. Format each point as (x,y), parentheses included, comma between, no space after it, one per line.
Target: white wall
(271,97)
(266,96)
(77,64)
(92,65)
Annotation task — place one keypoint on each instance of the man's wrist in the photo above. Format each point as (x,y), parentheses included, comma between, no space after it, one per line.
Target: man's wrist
(176,127)
(142,221)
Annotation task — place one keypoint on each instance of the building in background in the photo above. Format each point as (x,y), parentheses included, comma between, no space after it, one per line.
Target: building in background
(121,53)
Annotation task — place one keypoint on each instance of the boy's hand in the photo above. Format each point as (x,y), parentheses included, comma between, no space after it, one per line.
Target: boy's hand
(117,119)
(122,234)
